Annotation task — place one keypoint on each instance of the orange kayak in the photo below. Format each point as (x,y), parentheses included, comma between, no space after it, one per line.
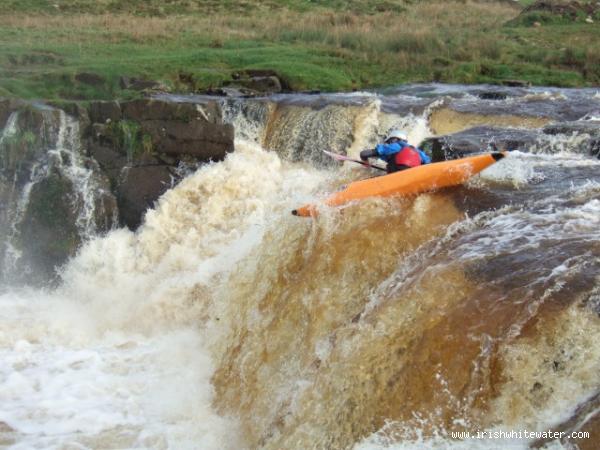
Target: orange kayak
(413,181)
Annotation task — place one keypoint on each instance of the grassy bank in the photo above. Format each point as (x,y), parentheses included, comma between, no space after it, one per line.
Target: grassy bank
(193,45)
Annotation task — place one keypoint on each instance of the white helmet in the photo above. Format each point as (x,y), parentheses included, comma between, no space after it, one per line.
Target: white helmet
(398,135)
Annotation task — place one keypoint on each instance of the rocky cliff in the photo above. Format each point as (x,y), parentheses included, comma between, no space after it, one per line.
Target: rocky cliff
(70,171)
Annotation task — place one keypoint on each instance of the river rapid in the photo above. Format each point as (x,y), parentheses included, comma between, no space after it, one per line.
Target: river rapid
(224,322)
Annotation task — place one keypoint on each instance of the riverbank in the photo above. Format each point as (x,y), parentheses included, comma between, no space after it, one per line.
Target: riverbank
(84,50)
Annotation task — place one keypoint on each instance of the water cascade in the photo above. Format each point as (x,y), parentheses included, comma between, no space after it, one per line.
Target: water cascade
(224,322)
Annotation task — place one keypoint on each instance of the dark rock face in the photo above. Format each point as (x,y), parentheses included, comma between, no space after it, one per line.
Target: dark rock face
(139,189)
(138,145)
(148,109)
(48,232)
(182,128)
(203,141)
(100,112)
(47,208)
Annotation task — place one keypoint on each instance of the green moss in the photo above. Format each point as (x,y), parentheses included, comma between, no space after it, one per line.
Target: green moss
(128,138)
(126,135)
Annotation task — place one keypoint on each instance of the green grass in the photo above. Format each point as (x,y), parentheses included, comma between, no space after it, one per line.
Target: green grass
(311,44)
(198,7)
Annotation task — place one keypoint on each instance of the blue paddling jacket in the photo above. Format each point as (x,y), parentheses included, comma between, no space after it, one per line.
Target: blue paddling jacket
(387,151)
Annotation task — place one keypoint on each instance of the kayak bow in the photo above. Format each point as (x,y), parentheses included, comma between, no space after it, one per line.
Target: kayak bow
(416,180)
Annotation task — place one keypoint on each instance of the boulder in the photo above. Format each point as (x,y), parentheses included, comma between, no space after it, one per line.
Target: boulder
(140,187)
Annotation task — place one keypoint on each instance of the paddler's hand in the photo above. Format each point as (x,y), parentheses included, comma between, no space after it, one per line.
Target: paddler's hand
(369,153)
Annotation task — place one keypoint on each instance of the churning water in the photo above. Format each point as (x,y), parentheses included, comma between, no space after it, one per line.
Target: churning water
(225,322)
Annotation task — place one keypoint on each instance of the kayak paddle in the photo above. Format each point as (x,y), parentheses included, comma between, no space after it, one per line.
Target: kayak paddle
(342,158)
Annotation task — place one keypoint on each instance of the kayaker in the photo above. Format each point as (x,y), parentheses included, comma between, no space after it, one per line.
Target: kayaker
(397,152)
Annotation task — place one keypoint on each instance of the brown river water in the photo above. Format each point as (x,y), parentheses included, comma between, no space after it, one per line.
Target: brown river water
(225,322)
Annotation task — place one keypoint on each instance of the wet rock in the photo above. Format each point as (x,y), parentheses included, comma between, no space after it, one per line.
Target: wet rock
(110,161)
(20,151)
(590,127)
(139,189)
(595,148)
(478,139)
(48,234)
(529,111)
(582,127)
(139,144)
(492,95)
(91,79)
(7,107)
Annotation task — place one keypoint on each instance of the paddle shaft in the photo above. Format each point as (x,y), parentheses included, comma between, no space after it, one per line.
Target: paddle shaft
(345,158)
